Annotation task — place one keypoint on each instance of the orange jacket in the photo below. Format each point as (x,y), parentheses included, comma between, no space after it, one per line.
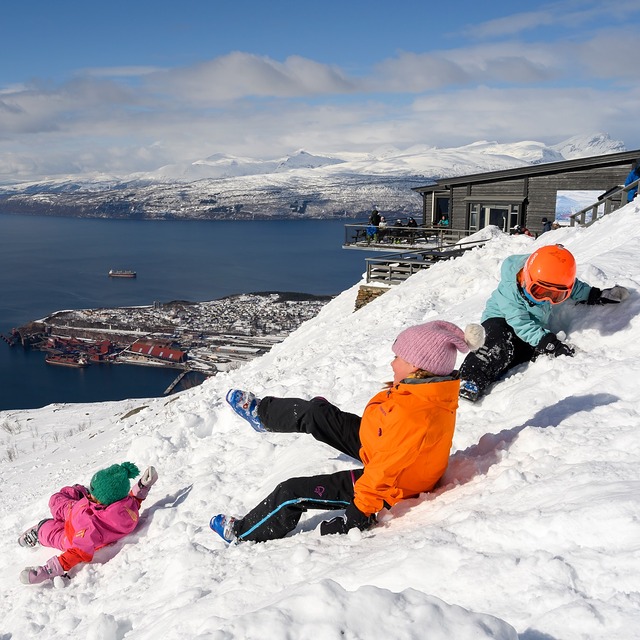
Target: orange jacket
(406,434)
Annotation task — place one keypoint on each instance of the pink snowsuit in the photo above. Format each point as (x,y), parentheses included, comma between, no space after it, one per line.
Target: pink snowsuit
(81,526)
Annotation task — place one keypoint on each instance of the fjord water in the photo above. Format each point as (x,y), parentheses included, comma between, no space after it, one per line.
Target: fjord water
(49,264)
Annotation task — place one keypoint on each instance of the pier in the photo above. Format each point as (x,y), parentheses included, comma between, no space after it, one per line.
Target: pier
(176,382)
(10,340)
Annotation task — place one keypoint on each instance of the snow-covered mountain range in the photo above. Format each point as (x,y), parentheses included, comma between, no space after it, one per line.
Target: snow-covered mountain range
(301,185)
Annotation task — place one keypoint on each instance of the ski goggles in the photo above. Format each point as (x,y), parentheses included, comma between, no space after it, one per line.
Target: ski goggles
(554,293)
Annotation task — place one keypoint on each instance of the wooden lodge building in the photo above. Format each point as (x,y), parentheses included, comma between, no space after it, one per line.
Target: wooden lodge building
(521,196)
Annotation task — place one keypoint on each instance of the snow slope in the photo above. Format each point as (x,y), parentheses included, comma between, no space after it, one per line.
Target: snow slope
(534,534)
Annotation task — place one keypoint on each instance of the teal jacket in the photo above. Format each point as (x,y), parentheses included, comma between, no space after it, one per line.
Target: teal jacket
(530,322)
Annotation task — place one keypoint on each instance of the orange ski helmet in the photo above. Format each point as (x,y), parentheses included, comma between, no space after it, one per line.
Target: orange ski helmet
(549,274)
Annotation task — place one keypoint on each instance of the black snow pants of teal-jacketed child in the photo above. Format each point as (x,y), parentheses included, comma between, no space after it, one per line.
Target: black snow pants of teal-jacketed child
(281,510)
(502,350)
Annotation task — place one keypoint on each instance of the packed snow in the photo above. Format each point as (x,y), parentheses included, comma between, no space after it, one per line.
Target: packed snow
(534,533)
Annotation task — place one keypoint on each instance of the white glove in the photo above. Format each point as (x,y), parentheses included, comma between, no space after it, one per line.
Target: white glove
(147,479)
(614,295)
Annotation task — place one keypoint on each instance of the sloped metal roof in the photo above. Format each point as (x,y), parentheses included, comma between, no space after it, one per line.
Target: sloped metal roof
(546,168)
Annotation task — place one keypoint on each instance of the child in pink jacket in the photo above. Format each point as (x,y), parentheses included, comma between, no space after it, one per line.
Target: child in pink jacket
(85,520)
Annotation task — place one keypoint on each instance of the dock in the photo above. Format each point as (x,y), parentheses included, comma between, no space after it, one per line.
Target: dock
(10,340)
(175,383)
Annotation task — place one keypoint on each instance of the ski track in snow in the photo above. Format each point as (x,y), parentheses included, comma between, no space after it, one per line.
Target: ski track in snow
(533,533)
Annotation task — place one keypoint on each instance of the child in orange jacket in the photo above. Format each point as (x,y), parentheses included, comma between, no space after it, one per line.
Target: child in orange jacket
(403,439)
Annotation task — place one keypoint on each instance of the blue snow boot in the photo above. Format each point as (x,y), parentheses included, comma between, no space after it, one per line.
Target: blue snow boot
(223,526)
(245,404)
(469,390)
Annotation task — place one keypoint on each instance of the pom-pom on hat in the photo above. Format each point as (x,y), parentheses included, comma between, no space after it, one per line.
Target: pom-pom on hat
(433,346)
(113,483)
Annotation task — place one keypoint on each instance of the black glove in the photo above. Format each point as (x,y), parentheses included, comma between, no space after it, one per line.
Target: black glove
(352,517)
(551,346)
(613,295)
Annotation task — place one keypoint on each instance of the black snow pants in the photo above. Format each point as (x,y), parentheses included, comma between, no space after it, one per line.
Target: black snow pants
(281,510)
(502,350)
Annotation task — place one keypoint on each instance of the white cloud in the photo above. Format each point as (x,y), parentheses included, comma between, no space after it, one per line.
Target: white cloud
(37,107)
(510,25)
(611,54)
(416,73)
(124,119)
(239,75)
(517,114)
(566,14)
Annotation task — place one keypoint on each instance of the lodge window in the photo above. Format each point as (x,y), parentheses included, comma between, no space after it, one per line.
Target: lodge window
(504,215)
(439,207)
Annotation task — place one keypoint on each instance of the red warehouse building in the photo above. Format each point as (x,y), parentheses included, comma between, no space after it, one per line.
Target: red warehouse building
(159,350)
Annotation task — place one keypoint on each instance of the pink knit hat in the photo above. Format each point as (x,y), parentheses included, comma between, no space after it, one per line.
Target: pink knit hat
(433,346)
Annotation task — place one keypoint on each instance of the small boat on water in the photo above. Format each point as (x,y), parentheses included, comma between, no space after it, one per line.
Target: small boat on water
(65,360)
(122,273)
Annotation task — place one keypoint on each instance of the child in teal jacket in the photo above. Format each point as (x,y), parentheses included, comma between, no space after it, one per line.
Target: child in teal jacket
(517,315)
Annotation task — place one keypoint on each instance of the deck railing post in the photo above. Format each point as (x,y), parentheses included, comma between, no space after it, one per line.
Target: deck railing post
(608,204)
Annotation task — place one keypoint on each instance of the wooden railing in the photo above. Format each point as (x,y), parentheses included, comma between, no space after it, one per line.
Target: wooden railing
(363,236)
(612,201)
(394,268)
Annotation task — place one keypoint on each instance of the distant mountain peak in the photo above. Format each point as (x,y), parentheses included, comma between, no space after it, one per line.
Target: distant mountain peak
(584,146)
(304,160)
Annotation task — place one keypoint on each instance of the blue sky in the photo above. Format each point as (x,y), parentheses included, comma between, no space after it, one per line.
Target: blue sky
(120,87)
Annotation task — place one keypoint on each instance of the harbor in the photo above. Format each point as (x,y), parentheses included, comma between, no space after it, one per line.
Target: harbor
(197,339)
(248,257)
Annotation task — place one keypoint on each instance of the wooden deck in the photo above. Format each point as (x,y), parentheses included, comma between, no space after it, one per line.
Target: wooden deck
(358,236)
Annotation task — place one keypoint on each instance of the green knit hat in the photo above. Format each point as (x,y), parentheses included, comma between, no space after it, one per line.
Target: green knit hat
(112,484)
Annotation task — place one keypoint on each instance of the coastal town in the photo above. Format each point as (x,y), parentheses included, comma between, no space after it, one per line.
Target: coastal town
(202,337)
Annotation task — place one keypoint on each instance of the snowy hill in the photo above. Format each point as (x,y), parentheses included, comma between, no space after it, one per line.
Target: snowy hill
(429,162)
(534,533)
(302,185)
(585,146)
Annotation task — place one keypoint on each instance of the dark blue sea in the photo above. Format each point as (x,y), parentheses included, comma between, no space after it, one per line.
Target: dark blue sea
(49,264)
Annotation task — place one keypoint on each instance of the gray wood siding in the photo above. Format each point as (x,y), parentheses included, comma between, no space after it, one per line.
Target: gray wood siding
(543,190)
(540,192)
(458,208)
(485,190)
